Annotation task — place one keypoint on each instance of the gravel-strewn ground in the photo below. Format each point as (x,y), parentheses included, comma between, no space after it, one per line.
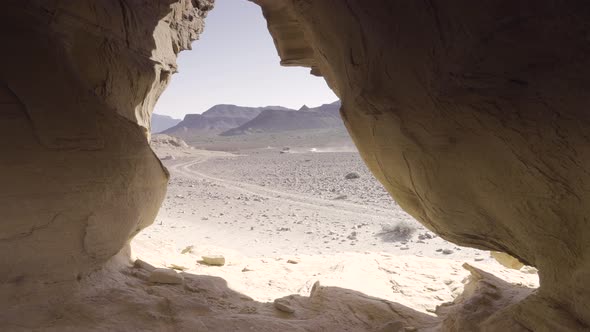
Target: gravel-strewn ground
(261,202)
(275,220)
(318,174)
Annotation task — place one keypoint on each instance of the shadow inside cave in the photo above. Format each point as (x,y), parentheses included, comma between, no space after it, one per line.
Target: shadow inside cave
(120,297)
(128,301)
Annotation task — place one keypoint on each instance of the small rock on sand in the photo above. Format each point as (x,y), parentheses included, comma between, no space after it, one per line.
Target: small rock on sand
(352,175)
(165,276)
(178,267)
(216,260)
(187,249)
(293,261)
(425,236)
(447,251)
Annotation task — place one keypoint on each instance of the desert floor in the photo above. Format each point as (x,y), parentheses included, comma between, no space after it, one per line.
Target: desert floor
(284,219)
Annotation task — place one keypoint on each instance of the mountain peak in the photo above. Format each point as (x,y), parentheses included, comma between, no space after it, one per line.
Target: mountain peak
(162,122)
(217,119)
(272,121)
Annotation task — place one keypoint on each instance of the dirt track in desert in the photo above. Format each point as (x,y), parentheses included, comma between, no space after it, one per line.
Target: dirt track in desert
(231,200)
(286,220)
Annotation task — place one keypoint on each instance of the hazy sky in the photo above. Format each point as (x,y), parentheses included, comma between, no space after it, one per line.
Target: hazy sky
(235,62)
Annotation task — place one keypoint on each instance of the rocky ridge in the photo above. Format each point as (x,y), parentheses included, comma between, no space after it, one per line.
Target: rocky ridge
(271,121)
(216,120)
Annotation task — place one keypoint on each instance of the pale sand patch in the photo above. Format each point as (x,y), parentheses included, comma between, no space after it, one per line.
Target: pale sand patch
(257,211)
(420,283)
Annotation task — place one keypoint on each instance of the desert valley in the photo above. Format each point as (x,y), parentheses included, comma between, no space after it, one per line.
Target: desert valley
(284,196)
(310,166)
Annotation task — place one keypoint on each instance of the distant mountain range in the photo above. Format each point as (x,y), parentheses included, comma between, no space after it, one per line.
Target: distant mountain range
(233,111)
(162,122)
(273,121)
(231,120)
(216,120)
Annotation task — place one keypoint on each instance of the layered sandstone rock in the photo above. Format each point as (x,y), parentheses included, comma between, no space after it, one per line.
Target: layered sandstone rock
(77,88)
(473,115)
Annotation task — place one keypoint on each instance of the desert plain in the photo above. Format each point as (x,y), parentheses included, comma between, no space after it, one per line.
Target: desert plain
(287,211)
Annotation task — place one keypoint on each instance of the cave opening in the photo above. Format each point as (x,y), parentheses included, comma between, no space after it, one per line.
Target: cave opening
(80,179)
(248,184)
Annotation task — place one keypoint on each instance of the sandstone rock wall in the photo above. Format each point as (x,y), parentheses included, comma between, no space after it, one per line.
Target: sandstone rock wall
(474,117)
(472,114)
(77,86)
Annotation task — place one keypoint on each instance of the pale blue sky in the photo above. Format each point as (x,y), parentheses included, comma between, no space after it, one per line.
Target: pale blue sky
(235,62)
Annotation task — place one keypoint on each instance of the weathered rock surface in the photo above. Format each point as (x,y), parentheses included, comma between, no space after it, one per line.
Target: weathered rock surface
(77,89)
(278,120)
(283,305)
(473,116)
(165,276)
(506,260)
(165,141)
(217,119)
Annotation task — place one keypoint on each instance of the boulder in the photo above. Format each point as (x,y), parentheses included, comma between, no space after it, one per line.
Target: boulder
(165,276)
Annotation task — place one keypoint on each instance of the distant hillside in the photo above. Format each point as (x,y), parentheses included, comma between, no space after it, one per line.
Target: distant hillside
(234,111)
(217,119)
(272,121)
(162,122)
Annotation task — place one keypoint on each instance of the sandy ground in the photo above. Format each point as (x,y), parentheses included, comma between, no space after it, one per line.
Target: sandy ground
(286,220)
(320,138)
(304,249)
(267,203)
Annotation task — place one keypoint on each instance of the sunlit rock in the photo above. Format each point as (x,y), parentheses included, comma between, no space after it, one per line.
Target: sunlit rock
(473,116)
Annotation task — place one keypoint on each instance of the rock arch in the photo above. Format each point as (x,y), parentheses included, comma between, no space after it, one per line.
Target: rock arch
(473,115)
